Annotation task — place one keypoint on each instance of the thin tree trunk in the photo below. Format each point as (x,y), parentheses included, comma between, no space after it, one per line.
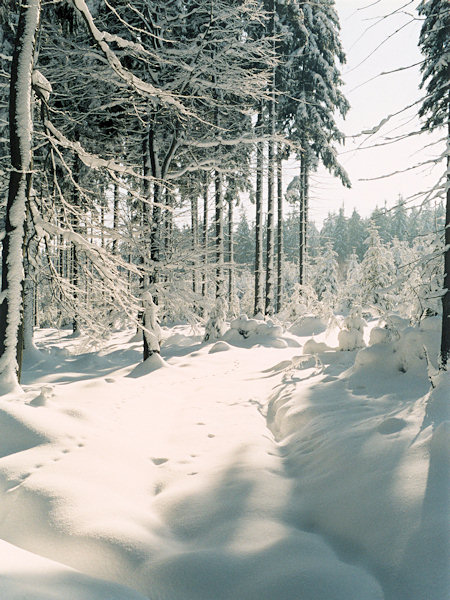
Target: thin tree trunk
(445,336)
(270,275)
(205,236)
(302,222)
(279,230)
(231,283)
(115,219)
(74,253)
(20,120)
(168,226)
(31,248)
(145,229)
(259,308)
(270,231)
(218,190)
(194,233)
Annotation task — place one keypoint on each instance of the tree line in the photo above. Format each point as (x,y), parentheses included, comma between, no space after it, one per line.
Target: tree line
(116,119)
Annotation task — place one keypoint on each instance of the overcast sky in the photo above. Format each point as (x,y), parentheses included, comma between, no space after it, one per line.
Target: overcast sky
(363,29)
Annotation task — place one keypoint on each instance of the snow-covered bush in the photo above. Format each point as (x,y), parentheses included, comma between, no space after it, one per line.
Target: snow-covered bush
(244,328)
(377,272)
(301,300)
(351,335)
(215,326)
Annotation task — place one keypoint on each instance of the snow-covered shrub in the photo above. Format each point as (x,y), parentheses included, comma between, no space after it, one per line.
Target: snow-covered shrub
(352,334)
(325,276)
(380,335)
(311,346)
(301,300)
(308,325)
(244,328)
(215,326)
(377,272)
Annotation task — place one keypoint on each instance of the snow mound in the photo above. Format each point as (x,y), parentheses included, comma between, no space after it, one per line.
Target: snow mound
(27,575)
(153,363)
(308,325)
(219,347)
(311,346)
(380,335)
(255,331)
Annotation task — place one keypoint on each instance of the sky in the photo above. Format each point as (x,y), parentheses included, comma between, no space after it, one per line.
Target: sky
(363,29)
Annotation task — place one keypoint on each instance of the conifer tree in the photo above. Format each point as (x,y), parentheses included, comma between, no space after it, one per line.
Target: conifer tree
(434,43)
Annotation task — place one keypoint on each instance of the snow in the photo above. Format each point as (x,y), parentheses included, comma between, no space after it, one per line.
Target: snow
(255,473)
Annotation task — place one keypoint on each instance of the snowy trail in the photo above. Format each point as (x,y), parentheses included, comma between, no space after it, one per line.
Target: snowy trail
(173,483)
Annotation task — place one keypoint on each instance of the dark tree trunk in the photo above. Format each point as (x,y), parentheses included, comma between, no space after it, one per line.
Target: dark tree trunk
(145,229)
(259,308)
(74,253)
(11,332)
(302,219)
(445,337)
(218,191)
(231,286)
(279,230)
(194,233)
(205,235)
(270,231)
(115,219)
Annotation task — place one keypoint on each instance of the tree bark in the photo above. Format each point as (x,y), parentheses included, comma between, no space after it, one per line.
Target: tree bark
(302,219)
(259,308)
(445,335)
(21,128)
(231,283)
(205,235)
(270,231)
(279,230)
(218,190)
(194,233)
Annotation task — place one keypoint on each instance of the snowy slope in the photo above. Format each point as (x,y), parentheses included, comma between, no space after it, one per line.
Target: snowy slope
(236,471)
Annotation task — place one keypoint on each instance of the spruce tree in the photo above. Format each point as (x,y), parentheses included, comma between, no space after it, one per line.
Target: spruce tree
(434,43)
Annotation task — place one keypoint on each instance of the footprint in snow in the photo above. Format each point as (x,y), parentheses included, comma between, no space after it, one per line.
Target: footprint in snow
(391,425)
(159,461)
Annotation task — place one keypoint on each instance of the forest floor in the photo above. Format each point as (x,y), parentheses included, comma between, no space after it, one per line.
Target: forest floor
(247,470)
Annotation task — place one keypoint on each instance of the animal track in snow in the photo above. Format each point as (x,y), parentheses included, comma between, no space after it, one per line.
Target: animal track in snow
(391,425)
(159,460)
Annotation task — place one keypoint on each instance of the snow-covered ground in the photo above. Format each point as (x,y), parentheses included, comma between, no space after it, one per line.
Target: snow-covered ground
(238,470)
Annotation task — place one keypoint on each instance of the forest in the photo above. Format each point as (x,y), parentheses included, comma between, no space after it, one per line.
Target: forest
(207,392)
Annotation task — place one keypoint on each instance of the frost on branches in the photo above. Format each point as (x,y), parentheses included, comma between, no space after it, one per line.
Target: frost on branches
(21,128)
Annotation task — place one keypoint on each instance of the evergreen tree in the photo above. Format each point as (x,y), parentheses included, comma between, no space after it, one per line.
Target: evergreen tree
(377,271)
(245,243)
(325,277)
(434,43)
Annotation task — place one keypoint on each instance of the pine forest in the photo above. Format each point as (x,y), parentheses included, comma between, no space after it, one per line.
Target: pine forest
(225,300)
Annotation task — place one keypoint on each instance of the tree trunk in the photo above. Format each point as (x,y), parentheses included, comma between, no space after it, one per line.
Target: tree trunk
(205,236)
(20,121)
(270,274)
(194,233)
(115,218)
(445,336)
(218,190)
(231,283)
(270,231)
(302,221)
(145,230)
(279,230)
(31,246)
(259,308)
(74,254)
